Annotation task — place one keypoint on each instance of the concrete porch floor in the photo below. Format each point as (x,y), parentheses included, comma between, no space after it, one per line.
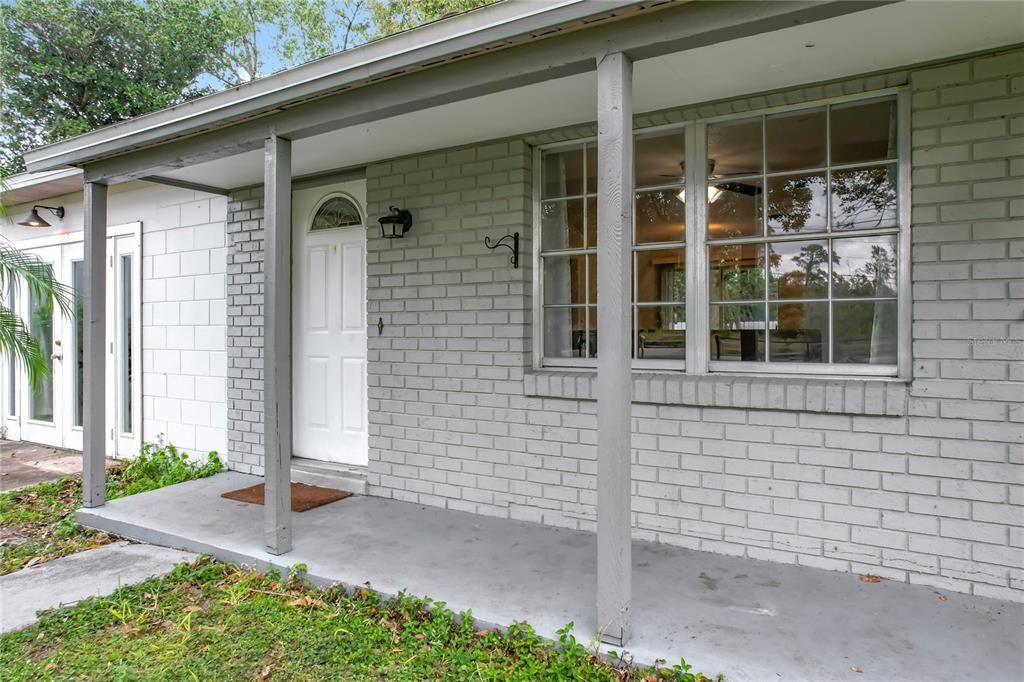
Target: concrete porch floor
(749,619)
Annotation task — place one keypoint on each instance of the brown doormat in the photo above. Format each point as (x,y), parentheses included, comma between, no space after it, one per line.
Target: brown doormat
(304,497)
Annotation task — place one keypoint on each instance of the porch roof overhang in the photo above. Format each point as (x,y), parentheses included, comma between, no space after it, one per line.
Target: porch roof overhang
(494,49)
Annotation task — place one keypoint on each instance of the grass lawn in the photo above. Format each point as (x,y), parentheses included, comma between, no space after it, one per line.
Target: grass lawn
(37,522)
(214,621)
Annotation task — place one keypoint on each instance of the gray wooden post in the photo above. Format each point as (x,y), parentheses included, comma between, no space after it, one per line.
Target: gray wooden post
(614,375)
(277,344)
(94,327)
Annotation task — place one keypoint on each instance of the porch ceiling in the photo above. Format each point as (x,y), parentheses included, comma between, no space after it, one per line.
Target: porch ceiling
(885,37)
(750,619)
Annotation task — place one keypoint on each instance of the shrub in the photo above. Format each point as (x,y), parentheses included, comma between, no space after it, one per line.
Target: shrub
(161,464)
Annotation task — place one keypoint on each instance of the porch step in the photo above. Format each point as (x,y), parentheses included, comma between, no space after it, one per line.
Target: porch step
(329,475)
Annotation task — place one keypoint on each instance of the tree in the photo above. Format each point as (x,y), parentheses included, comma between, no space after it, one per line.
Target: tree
(392,16)
(270,35)
(70,66)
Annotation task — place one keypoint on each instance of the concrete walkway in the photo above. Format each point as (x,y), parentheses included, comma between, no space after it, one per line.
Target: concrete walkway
(64,581)
(23,463)
(751,620)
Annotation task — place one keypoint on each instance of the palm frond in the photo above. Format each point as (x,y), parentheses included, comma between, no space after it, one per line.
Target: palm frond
(17,342)
(17,267)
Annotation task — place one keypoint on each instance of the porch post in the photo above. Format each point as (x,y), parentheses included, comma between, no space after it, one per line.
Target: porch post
(614,376)
(277,344)
(94,327)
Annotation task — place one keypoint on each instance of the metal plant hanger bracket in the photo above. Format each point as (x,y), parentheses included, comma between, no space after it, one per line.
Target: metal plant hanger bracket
(513,246)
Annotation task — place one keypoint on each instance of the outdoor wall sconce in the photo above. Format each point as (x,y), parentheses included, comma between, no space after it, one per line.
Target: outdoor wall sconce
(513,247)
(33,219)
(390,223)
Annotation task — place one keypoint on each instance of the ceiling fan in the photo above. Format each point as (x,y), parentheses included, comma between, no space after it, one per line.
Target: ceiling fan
(716,189)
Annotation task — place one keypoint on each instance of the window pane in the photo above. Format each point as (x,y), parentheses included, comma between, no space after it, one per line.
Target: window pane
(865,332)
(864,132)
(336,212)
(126,344)
(564,332)
(734,148)
(592,332)
(41,329)
(798,270)
(662,332)
(78,288)
(796,140)
(592,278)
(737,332)
(864,198)
(737,272)
(563,173)
(734,209)
(561,224)
(797,203)
(591,167)
(660,276)
(12,366)
(564,280)
(591,222)
(864,267)
(799,332)
(660,217)
(659,159)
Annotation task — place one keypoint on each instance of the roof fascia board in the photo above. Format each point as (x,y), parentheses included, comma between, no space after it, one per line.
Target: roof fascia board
(436,41)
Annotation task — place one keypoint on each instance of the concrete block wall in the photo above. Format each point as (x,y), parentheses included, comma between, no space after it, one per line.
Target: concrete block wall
(928,489)
(183,322)
(245,331)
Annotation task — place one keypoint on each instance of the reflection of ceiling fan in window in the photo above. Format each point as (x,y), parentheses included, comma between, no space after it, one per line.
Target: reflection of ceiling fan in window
(716,189)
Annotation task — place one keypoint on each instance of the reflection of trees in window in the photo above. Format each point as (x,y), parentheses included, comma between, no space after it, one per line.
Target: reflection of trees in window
(863,198)
(874,278)
(789,204)
(811,280)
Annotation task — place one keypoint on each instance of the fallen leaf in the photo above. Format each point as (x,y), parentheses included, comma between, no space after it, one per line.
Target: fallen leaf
(870,579)
(856,669)
(265,673)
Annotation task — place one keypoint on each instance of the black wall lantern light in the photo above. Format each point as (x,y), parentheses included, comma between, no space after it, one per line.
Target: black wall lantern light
(395,224)
(33,219)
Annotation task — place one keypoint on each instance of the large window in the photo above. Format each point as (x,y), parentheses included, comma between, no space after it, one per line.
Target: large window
(797,222)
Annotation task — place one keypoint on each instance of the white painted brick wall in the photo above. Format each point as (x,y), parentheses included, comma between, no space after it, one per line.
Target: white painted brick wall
(924,484)
(184,256)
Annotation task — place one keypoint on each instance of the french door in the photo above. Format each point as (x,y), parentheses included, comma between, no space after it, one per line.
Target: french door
(52,413)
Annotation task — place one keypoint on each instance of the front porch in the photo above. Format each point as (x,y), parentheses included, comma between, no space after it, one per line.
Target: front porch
(749,619)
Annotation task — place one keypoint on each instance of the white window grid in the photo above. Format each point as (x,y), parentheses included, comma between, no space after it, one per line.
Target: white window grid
(696,245)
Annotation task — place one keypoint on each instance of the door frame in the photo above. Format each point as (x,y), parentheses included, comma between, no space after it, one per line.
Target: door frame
(121,239)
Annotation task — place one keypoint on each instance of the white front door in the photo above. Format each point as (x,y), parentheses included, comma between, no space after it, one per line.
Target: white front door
(329,323)
(52,413)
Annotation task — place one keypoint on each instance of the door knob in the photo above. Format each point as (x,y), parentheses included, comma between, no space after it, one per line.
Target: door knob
(56,356)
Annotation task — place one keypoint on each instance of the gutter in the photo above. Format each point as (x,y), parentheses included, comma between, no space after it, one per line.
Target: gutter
(486,29)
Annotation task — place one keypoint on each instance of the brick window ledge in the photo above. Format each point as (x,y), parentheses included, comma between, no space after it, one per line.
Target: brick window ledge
(855,396)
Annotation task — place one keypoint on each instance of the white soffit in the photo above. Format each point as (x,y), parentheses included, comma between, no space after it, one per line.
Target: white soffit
(882,38)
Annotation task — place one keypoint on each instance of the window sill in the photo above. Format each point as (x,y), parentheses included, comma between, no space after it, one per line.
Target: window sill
(873,396)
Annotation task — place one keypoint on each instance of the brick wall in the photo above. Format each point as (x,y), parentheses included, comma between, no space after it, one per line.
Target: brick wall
(927,489)
(245,331)
(183,320)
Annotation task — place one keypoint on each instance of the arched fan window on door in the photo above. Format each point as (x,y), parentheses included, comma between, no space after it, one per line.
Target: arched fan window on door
(336,212)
